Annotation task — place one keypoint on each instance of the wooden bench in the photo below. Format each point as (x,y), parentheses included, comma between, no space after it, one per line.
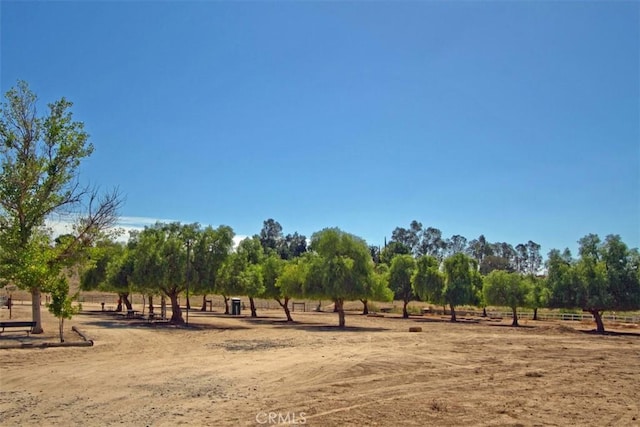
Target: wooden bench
(18,324)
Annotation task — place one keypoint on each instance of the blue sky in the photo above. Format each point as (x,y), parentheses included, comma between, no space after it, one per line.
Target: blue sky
(517,120)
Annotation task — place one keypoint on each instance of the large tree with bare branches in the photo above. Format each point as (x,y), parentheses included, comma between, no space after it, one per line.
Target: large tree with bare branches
(40,157)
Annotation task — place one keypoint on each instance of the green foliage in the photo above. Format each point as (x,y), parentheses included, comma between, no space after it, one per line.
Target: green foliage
(61,304)
(505,289)
(272,267)
(428,282)
(31,266)
(539,292)
(211,248)
(459,271)
(380,285)
(492,262)
(293,276)
(605,277)
(458,279)
(40,158)
(400,274)
(339,269)
(241,274)
(342,267)
(94,270)
(391,250)
(287,247)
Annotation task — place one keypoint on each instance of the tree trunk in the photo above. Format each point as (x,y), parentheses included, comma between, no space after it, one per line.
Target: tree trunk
(36,299)
(285,307)
(484,311)
(340,309)
(226,304)
(405,313)
(335,306)
(597,315)
(444,310)
(319,307)
(252,304)
(125,299)
(515,317)
(176,316)
(535,313)
(119,306)
(204,303)
(453,313)
(150,304)
(365,310)
(188,303)
(61,327)
(163,307)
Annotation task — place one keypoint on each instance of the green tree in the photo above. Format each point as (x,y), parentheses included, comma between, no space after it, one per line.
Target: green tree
(478,249)
(391,250)
(160,261)
(428,282)
(605,277)
(409,238)
(379,287)
(119,277)
(272,267)
(459,279)
(108,269)
(61,304)
(492,262)
(341,269)
(293,246)
(400,274)
(250,277)
(432,243)
(506,289)
(456,244)
(40,157)
(210,250)
(539,293)
(229,282)
(271,236)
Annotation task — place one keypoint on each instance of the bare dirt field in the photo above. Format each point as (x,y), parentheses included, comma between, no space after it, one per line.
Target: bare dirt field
(229,371)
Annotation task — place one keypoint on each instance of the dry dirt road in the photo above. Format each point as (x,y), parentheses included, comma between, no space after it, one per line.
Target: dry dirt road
(230,371)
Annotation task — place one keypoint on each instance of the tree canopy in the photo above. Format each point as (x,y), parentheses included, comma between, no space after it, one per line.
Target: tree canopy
(341,269)
(506,289)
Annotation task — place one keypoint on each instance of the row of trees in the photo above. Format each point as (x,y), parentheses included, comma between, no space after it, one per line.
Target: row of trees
(524,258)
(423,265)
(166,258)
(41,156)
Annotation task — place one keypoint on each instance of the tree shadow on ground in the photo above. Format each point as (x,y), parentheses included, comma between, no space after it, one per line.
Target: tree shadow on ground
(119,320)
(509,325)
(310,327)
(461,321)
(610,333)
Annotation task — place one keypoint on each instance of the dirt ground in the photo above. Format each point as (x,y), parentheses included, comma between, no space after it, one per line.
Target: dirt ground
(229,371)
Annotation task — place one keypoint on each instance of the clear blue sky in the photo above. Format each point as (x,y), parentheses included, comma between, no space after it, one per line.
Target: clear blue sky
(518,120)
